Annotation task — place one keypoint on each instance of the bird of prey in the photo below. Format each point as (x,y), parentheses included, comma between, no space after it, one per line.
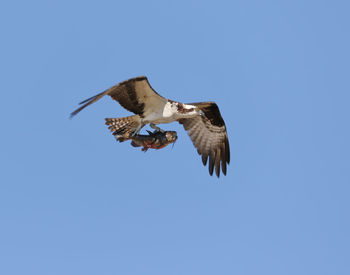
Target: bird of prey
(202,120)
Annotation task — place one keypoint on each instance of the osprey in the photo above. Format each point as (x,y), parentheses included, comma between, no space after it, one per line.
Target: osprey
(202,120)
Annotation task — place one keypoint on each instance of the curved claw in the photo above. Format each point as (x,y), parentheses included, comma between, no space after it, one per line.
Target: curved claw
(156,128)
(137,130)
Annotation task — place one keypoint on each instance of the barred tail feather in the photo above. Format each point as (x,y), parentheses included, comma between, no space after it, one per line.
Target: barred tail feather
(123,127)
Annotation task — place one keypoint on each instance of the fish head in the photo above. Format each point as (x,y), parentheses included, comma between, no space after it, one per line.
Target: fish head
(171,136)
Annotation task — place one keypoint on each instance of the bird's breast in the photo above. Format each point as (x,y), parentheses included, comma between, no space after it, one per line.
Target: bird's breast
(166,114)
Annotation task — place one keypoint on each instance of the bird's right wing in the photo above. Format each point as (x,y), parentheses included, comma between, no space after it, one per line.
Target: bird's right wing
(209,136)
(135,95)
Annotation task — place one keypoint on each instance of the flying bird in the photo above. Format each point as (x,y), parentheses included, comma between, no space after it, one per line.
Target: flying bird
(202,120)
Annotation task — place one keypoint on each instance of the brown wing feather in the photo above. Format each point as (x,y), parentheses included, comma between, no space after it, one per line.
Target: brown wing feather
(135,95)
(209,136)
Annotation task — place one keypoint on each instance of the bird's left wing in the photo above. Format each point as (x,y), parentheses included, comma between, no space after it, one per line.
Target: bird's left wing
(135,95)
(209,136)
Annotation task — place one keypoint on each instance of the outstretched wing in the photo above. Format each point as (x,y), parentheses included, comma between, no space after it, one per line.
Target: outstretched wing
(209,136)
(135,95)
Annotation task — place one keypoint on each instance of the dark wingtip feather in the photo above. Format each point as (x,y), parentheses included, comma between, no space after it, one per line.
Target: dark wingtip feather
(91,98)
(72,114)
(211,163)
(217,162)
(223,158)
(86,103)
(227,149)
(223,167)
(204,159)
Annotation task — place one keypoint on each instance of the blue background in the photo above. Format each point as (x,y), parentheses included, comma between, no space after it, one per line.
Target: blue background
(73,201)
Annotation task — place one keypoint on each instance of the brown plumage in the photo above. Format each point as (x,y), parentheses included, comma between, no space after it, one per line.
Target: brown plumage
(136,95)
(209,136)
(202,120)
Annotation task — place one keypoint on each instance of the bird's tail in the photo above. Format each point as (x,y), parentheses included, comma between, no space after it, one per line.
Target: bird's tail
(123,127)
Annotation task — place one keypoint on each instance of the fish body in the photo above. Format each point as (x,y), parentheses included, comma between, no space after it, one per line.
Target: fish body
(155,140)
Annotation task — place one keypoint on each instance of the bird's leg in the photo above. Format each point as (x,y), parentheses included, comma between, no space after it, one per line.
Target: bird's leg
(156,128)
(137,130)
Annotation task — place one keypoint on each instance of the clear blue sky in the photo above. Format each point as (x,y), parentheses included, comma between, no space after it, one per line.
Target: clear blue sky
(73,201)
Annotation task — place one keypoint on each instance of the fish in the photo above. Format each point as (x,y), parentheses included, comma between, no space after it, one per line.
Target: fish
(156,140)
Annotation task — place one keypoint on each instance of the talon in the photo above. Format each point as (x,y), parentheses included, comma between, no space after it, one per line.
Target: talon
(156,128)
(134,133)
(137,130)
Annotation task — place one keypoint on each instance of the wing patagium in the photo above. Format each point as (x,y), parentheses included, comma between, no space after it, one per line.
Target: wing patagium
(208,134)
(136,95)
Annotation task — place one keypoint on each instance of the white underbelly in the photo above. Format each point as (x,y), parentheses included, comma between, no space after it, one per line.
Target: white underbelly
(161,116)
(157,118)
